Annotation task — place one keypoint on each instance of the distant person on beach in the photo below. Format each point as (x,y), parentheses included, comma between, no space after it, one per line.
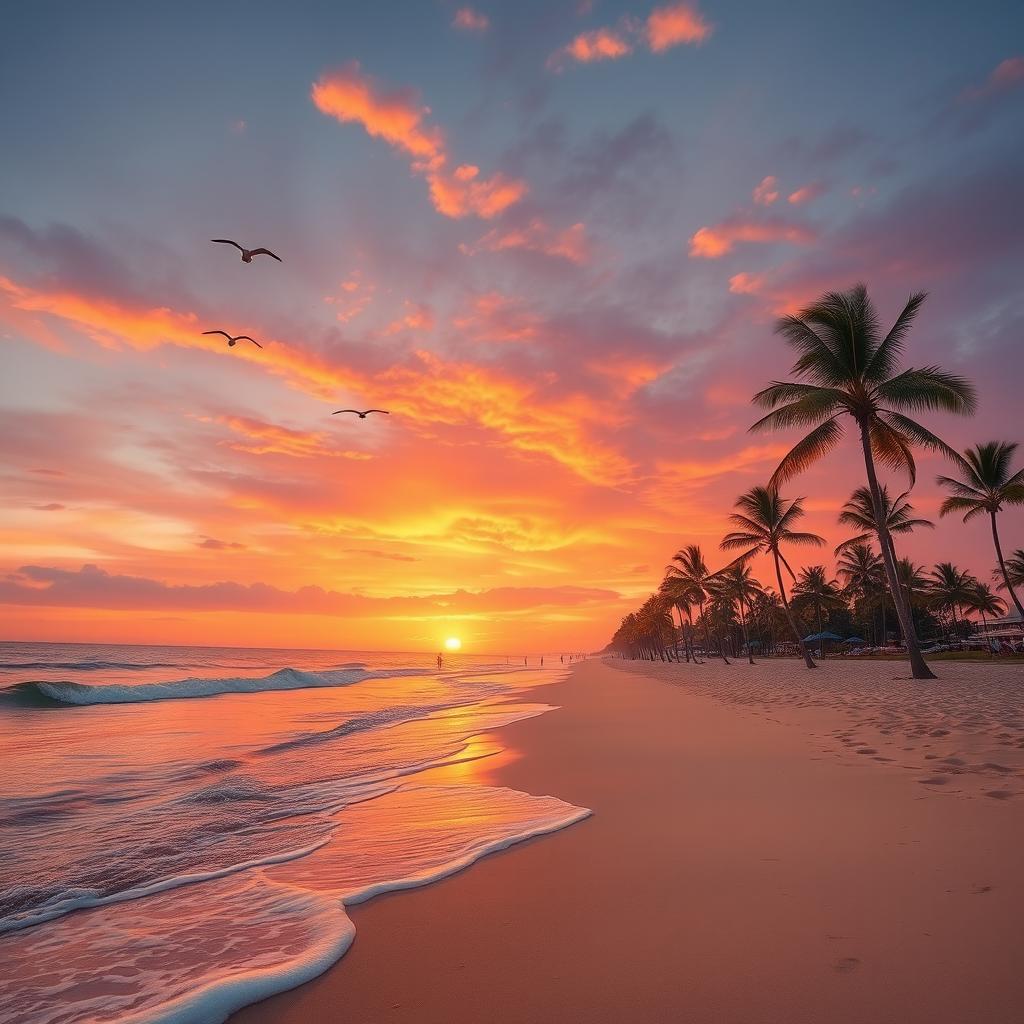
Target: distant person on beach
(542,661)
(440,660)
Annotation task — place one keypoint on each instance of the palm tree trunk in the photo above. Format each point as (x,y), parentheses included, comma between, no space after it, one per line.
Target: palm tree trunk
(789,614)
(918,666)
(746,635)
(1002,568)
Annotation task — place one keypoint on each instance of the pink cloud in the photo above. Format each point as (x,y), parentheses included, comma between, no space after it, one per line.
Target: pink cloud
(469,20)
(746,284)
(767,191)
(536,236)
(399,118)
(1008,74)
(715,241)
(807,193)
(674,25)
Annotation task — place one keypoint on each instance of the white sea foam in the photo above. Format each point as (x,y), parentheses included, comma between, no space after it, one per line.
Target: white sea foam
(283,679)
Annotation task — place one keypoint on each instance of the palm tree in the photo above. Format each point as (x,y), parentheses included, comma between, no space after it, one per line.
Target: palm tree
(914,583)
(693,574)
(847,368)
(983,601)
(814,590)
(767,611)
(863,579)
(766,520)
(736,584)
(950,588)
(859,512)
(1014,570)
(987,486)
(677,592)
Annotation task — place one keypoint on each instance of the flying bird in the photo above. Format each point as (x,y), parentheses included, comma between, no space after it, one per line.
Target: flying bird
(362,415)
(237,337)
(247,254)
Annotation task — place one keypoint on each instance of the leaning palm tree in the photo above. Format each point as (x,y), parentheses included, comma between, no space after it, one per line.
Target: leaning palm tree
(692,573)
(914,582)
(985,603)
(766,521)
(987,485)
(736,584)
(815,591)
(847,368)
(859,512)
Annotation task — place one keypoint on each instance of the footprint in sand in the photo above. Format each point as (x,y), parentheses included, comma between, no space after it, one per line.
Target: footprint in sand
(980,890)
(935,780)
(866,750)
(999,794)
(846,964)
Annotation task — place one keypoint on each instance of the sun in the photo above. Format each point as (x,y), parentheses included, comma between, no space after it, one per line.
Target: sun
(453,643)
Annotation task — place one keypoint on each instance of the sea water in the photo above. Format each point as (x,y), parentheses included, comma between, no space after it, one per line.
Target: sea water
(181,829)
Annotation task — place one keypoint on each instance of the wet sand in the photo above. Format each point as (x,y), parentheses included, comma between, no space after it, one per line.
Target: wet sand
(746,862)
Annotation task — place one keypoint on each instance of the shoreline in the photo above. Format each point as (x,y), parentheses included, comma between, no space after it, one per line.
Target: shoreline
(733,870)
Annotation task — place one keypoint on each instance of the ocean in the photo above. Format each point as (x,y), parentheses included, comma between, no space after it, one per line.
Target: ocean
(182,828)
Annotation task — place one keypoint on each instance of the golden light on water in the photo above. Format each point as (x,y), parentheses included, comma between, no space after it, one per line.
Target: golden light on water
(453,643)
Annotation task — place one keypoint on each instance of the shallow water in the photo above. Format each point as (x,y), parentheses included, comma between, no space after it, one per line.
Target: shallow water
(181,828)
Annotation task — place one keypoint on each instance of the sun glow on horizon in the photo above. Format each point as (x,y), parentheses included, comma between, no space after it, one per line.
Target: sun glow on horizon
(453,643)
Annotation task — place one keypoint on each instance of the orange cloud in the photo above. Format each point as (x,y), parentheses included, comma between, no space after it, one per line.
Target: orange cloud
(398,118)
(470,20)
(598,44)
(270,439)
(418,317)
(807,193)
(425,392)
(536,236)
(463,192)
(711,243)
(496,317)
(767,191)
(673,25)
(664,28)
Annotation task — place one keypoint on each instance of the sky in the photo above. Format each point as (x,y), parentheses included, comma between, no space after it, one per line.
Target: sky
(551,238)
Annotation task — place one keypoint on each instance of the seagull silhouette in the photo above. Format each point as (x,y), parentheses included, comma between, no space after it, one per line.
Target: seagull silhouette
(237,337)
(362,415)
(247,254)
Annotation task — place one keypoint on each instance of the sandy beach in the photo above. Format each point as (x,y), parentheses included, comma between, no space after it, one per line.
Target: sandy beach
(767,844)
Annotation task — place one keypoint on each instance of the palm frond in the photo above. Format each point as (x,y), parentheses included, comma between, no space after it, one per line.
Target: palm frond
(929,388)
(816,445)
(884,361)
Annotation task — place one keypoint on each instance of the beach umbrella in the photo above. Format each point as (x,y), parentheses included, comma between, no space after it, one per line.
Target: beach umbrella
(828,636)
(853,640)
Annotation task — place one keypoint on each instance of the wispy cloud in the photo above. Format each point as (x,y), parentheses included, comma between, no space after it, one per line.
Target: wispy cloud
(536,236)
(766,191)
(1006,75)
(807,193)
(469,20)
(717,240)
(399,118)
